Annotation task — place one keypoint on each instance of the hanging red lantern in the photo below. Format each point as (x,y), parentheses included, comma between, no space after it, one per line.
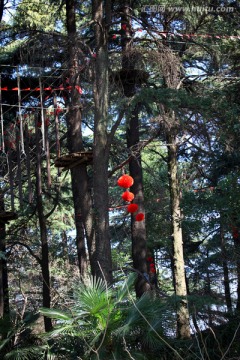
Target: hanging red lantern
(150,259)
(128,196)
(125,181)
(139,217)
(152,268)
(235,233)
(132,208)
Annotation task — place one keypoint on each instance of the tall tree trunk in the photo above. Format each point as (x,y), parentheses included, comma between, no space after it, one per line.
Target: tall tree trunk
(80,181)
(208,291)
(65,253)
(183,325)
(4,294)
(102,260)
(139,243)
(44,261)
(236,240)
(226,282)
(138,233)
(44,238)
(1,9)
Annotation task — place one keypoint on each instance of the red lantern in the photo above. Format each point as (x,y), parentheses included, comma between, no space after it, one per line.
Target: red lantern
(235,233)
(132,208)
(152,268)
(128,196)
(125,181)
(139,217)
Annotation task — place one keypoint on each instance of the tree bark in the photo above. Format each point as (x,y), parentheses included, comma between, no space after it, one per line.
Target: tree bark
(4,294)
(139,243)
(43,235)
(236,240)
(226,282)
(79,176)
(183,325)
(1,9)
(138,229)
(44,262)
(102,259)
(208,291)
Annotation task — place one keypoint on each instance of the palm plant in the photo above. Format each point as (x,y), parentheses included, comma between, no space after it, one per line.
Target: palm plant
(98,311)
(108,323)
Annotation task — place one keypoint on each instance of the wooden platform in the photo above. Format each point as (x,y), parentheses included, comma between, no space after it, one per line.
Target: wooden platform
(7,216)
(69,161)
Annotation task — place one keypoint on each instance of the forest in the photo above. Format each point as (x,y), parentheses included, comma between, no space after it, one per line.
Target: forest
(119,180)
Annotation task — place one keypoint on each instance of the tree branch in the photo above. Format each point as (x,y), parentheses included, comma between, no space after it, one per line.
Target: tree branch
(29,250)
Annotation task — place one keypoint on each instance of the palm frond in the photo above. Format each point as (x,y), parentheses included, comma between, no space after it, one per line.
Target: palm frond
(4,342)
(27,353)
(125,289)
(96,300)
(63,330)
(55,314)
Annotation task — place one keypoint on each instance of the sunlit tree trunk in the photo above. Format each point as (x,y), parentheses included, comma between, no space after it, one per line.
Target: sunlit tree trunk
(226,282)
(183,325)
(236,240)
(102,261)
(4,294)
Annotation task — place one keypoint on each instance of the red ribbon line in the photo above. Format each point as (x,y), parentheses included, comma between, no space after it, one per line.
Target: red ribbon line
(78,88)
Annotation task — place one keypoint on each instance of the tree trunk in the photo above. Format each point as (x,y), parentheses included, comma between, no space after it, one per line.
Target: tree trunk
(83,217)
(4,294)
(227,290)
(139,243)
(65,253)
(183,326)
(44,262)
(208,291)
(80,181)
(236,240)
(2,3)
(138,233)
(43,236)
(102,260)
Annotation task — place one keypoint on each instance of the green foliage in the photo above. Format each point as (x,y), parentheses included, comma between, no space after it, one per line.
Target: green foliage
(105,318)
(35,15)
(28,353)
(110,323)
(17,336)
